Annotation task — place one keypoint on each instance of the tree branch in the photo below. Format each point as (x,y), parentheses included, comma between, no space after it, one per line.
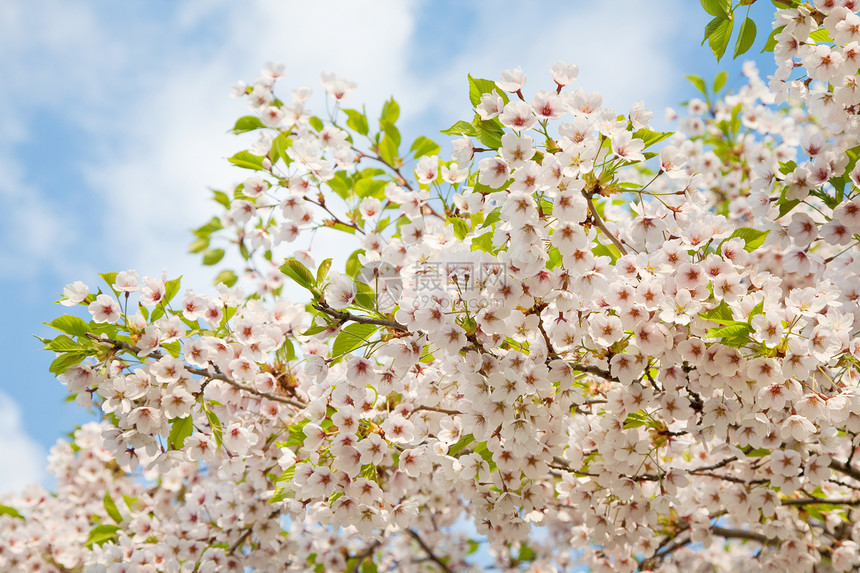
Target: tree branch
(820,500)
(429,551)
(364,555)
(844,468)
(600,225)
(742,534)
(345,316)
(121,345)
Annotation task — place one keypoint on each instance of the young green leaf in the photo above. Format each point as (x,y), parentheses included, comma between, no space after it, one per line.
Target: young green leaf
(720,33)
(746,37)
(111,509)
(299,273)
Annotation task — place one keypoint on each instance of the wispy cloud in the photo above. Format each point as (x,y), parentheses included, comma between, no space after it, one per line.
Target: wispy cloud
(22,459)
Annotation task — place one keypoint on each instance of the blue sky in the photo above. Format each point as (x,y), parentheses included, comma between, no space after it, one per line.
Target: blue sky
(113,120)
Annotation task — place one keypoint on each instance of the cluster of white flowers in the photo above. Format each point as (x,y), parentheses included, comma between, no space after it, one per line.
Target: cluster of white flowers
(609,345)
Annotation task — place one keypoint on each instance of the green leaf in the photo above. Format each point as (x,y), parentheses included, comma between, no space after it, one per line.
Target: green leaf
(461,443)
(357,121)
(479,87)
(247,160)
(281,493)
(720,32)
(353,265)
(718,8)
(286,352)
(352,337)
(364,296)
(316,123)
(730,331)
(67,360)
(368,187)
(390,111)
(63,343)
(526,553)
(461,128)
(771,40)
(746,37)
(734,335)
(698,81)
(753,238)
(820,35)
(221,198)
(299,273)
(213,256)
(110,279)
(199,245)
(720,314)
(609,250)
(171,288)
(322,271)
(652,137)
(227,277)
(425,146)
(388,150)
(215,425)
(461,228)
(101,534)
(720,81)
(489,132)
(492,217)
(111,509)
(70,325)
(247,123)
(6,510)
(180,428)
(279,148)
(203,232)
(484,243)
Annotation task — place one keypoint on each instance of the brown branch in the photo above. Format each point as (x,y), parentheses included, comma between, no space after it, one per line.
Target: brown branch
(435,409)
(715,466)
(335,218)
(121,345)
(246,534)
(846,469)
(820,500)
(742,534)
(364,555)
(600,224)
(429,551)
(401,180)
(344,316)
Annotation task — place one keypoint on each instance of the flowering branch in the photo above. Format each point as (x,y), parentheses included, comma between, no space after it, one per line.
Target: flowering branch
(121,345)
(344,316)
(600,225)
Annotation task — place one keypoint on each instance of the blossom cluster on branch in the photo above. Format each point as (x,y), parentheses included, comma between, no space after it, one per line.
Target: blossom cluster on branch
(591,341)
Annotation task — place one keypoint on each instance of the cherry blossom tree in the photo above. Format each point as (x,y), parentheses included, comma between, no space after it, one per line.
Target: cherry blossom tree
(577,340)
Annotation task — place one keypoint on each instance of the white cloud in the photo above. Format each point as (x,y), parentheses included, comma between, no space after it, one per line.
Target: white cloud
(625,49)
(22,459)
(156,104)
